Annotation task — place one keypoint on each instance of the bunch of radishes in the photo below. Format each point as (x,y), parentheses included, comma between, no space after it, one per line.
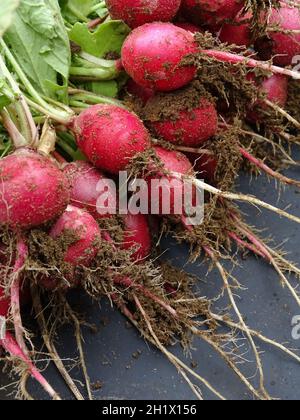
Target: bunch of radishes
(37,191)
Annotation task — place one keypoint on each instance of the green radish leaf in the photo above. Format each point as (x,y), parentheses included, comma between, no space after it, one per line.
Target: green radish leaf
(39,41)
(79,10)
(108,37)
(7,10)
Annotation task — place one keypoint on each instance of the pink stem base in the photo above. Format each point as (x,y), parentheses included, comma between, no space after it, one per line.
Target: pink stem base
(22,252)
(10,346)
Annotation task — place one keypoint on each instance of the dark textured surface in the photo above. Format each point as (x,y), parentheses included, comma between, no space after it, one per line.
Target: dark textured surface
(267,306)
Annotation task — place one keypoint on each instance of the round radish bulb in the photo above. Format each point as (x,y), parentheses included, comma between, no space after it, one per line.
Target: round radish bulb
(204,165)
(153,56)
(33,190)
(86,230)
(138,12)
(187,26)
(276,90)
(211,13)
(87,185)
(186,117)
(144,94)
(4,303)
(237,33)
(171,190)
(110,136)
(281,45)
(137,235)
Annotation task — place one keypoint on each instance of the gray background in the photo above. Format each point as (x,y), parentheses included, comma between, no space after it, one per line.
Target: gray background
(267,307)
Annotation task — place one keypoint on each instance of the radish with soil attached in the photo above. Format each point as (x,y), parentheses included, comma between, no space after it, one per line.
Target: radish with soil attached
(187,117)
(161,185)
(83,248)
(86,231)
(138,12)
(159,56)
(87,185)
(33,190)
(137,236)
(283,41)
(153,56)
(110,136)
(238,32)
(275,89)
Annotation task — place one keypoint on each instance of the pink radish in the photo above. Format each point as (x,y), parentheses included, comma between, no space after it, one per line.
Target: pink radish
(110,136)
(87,185)
(33,190)
(173,162)
(153,56)
(211,13)
(138,12)
(238,32)
(82,251)
(86,230)
(280,44)
(276,90)
(187,125)
(137,235)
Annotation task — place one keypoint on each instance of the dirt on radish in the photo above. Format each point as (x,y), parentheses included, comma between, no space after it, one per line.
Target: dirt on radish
(166,94)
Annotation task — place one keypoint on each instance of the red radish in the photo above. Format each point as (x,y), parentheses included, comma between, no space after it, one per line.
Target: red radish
(276,91)
(279,44)
(33,190)
(87,185)
(86,230)
(238,32)
(153,56)
(138,12)
(110,136)
(144,94)
(187,26)
(188,125)
(211,13)
(137,235)
(170,188)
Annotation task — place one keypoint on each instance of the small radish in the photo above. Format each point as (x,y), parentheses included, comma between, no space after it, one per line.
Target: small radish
(86,232)
(33,190)
(187,26)
(87,185)
(110,136)
(170,188)
(238,32)
(153,55)
(138,12)
(275,89)
(186,117)
(280,44)
(83,248)
(137,91)
(211,13)
(137,235)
